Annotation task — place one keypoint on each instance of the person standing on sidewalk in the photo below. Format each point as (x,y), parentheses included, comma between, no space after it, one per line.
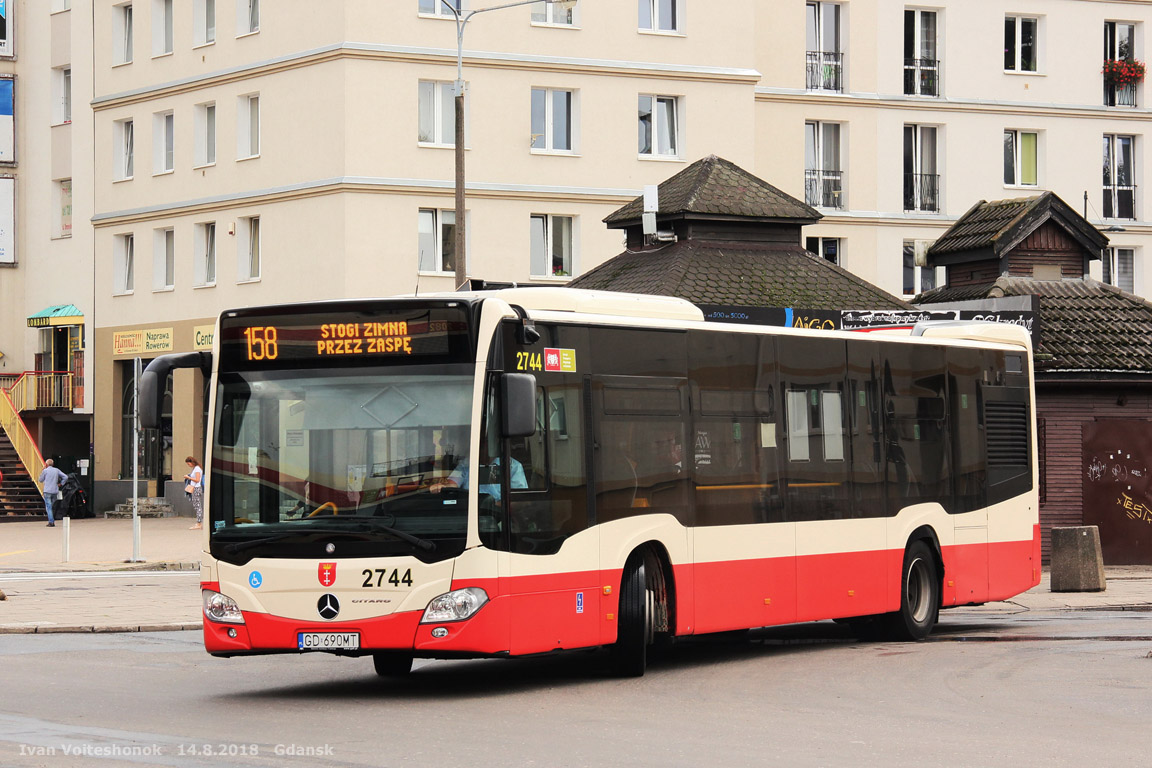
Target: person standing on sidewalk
(195,484)
(50,480)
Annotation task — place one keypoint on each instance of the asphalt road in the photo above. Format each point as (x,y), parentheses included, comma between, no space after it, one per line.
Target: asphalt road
(991,687)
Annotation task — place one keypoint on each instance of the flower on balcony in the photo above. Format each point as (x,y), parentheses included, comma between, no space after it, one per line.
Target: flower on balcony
(560,272)
(1123,71)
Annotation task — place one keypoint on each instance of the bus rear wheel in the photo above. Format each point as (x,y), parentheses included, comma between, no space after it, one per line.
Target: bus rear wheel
(634,620)
(919,595)
(392,663)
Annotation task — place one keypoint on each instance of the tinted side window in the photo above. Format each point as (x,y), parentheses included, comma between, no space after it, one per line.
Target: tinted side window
(917,453)
(735,423)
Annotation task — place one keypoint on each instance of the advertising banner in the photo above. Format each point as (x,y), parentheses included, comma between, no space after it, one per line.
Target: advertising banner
(7,221)
(7,124)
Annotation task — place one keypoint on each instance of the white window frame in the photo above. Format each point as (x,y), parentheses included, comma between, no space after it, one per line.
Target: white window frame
(124,150)
(1017,64)
(249,255)
(1016,134)
(124,256)
(822,249)
(162,20)
(438,10)
(657,133)
(543,142)
(62,95)
(59,199)
(1113,143)
(123,24)
(248,126)
(918,48)
(822,139)
(204,246)
(548,15)
(204,138)
(924,163)
(204,16)
(247,17)
(430,236)
(652,17)
(938,274)
(163,259)
(542,258)
(1114,268)
(61,5)
(163,143)
(442,104)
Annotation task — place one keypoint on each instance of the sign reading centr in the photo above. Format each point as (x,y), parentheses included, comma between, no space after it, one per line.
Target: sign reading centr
(202,336)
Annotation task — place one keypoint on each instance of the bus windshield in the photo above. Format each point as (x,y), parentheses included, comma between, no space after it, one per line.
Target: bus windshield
(322,463)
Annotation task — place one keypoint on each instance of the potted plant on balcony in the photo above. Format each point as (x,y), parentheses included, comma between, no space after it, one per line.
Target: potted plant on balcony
(1122,72)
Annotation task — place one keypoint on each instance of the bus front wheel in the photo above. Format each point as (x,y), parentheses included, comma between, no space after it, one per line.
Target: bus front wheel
(634,630)
(919,595)
(392,664)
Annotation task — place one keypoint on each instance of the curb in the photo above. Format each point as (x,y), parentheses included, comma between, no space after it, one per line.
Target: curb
(106,568)
(54,629)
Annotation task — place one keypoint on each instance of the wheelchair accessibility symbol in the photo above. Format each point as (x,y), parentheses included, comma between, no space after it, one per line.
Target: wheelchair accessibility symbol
(255,579)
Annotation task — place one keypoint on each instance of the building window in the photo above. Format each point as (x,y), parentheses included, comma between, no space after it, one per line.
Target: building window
(437,241)
(248,249)
(1119,181)
(163,143)
(1020,43)
(204,128)
(823,176)
(204,13)
(1119,45)
(1119,268)
(248,127)
(124,247)
(921,181)
(827,248)
(247,17)
(161,27)
(547,13)
(659,126)
(122,34)
(659,15)
(551,245)
(438,8)
(921,65)
(61,5)
(64,207)
(825,60)
(552,120)
(163,259)
(124,159)
(204,243)
(1020,153)
(918,279)
(62,95)
(437,120)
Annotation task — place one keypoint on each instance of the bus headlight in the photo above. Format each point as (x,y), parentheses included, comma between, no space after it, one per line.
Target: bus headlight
(222,608)
(457,605)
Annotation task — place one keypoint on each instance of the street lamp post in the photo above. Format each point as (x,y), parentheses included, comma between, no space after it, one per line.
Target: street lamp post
(462,18)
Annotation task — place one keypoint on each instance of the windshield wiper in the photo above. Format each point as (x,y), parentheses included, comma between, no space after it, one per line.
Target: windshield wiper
(365,524)
(376,525)
(240,546)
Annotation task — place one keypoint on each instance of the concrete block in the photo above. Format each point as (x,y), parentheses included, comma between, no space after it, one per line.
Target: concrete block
(1077,564)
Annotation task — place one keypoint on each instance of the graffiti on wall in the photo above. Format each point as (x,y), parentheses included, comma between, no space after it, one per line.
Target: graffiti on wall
(1117,491)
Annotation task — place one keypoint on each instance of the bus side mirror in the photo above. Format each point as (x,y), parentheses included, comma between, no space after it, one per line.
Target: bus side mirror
(518,392)
(155,376)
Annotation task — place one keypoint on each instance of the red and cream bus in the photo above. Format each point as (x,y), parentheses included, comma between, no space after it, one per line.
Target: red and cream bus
(512,472)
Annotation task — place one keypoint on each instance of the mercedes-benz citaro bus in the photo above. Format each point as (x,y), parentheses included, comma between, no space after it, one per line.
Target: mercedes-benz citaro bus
(521,471)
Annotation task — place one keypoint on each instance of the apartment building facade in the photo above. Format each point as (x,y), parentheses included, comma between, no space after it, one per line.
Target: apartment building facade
(236,152)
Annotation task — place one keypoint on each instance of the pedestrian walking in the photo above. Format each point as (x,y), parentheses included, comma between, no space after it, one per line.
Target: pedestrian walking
(50,479)
(195,486)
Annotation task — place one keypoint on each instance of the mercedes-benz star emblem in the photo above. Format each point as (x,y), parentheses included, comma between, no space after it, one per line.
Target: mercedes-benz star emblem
(328,607)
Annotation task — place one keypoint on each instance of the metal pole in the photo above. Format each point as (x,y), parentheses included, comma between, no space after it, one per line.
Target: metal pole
(136,461)
(67,530)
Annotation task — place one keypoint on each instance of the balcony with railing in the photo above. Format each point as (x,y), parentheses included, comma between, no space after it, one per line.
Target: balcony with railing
(922,77)
(824,189)
(41,390)
(922,192)
(1120,201)
(825,71)
(1119,95)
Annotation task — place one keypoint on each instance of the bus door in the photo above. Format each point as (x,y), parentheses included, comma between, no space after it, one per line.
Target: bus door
(966,561)
(838,556)
(551,573)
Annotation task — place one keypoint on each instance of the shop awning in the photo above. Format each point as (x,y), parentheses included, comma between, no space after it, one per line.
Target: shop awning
(60,314)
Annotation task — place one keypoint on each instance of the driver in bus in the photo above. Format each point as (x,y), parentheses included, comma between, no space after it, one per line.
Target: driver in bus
(459,476)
